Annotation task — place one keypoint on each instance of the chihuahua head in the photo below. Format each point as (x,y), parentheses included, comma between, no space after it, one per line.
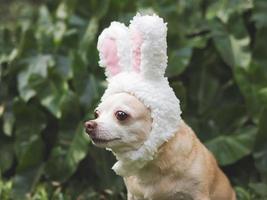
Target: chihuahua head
(122,123)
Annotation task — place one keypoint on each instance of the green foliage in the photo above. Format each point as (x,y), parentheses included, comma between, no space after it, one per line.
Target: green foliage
(51,82)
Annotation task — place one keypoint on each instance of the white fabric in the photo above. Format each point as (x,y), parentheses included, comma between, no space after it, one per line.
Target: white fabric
(119,32)
(149,86)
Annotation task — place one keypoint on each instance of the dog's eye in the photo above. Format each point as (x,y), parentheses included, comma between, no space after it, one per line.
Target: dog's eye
(96,114)
(120,115)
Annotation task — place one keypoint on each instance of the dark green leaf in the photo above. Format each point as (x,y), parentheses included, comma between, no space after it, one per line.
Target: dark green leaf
(29,124)
(223,9)
(7,155)
(259,13)
(35,66)
(259,188)
(229,149)
(50,91)
(30,153)
(65,158)
(88,37)
(233,51)
(25,182)
(8,122)
(260,152)
(178,61)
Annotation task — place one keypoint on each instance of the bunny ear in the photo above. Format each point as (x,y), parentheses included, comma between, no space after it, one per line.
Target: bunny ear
(114,49)
(149,47)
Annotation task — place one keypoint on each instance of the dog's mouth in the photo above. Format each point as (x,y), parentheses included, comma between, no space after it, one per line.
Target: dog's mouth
(102,140)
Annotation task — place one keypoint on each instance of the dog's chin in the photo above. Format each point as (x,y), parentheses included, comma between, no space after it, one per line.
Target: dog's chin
(104,142)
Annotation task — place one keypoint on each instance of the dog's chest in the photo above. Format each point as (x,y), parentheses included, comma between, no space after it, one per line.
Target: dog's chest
(164,189)
(181,196)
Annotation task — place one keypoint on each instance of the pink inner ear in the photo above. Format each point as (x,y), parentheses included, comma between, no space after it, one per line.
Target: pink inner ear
(137,42)
(109,52)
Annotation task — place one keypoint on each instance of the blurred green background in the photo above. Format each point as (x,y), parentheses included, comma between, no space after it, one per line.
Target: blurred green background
(51,82)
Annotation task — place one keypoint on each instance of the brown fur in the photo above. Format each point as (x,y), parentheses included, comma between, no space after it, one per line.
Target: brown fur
(183,169)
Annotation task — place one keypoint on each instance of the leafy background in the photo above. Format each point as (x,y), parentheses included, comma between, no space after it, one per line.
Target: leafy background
(51,82)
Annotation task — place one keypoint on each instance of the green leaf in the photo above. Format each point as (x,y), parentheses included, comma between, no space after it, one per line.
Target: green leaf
(178,61)
(229,149)
(88,38)
(35,66)
(25,182)
(1,110)
(241,56)
(263,95)
(78,148)
(259,188)
(30,153)
(5,189)
(80,73)
(30,120)
(223,45)
(242,193)
(259,13)
(39,64)
(180,92)
(233,51)
(7,156)
(50,91)
(91,91)
(63,11)
(223,9)
(44,28)
(102,8)
(208,88)
(86,85)
(29,124)
(63,67)
(41,193)
(72,144)
(26,92)
(71,112)
(260,151)
(60,29)
(251,83)
(65,158)
(259,49)
(8,122)
(230,116)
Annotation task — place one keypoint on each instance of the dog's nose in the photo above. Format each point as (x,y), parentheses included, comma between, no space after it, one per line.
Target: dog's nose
(90,126)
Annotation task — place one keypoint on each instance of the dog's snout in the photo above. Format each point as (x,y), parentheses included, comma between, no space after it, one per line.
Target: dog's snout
(90,126)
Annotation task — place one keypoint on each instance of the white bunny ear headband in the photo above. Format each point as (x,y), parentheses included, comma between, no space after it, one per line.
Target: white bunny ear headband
(135,60)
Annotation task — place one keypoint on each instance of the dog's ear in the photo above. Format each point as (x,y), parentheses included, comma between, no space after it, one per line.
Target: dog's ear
(149,47)
(114,49)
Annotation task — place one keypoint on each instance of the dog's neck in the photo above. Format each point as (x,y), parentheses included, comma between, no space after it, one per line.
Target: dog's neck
(130,162)
(183,142)
(166,156)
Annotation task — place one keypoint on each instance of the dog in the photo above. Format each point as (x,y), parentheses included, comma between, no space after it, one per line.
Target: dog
(139,120)
(183,168)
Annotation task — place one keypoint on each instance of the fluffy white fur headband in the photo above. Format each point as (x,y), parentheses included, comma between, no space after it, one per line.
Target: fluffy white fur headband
(135,60)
